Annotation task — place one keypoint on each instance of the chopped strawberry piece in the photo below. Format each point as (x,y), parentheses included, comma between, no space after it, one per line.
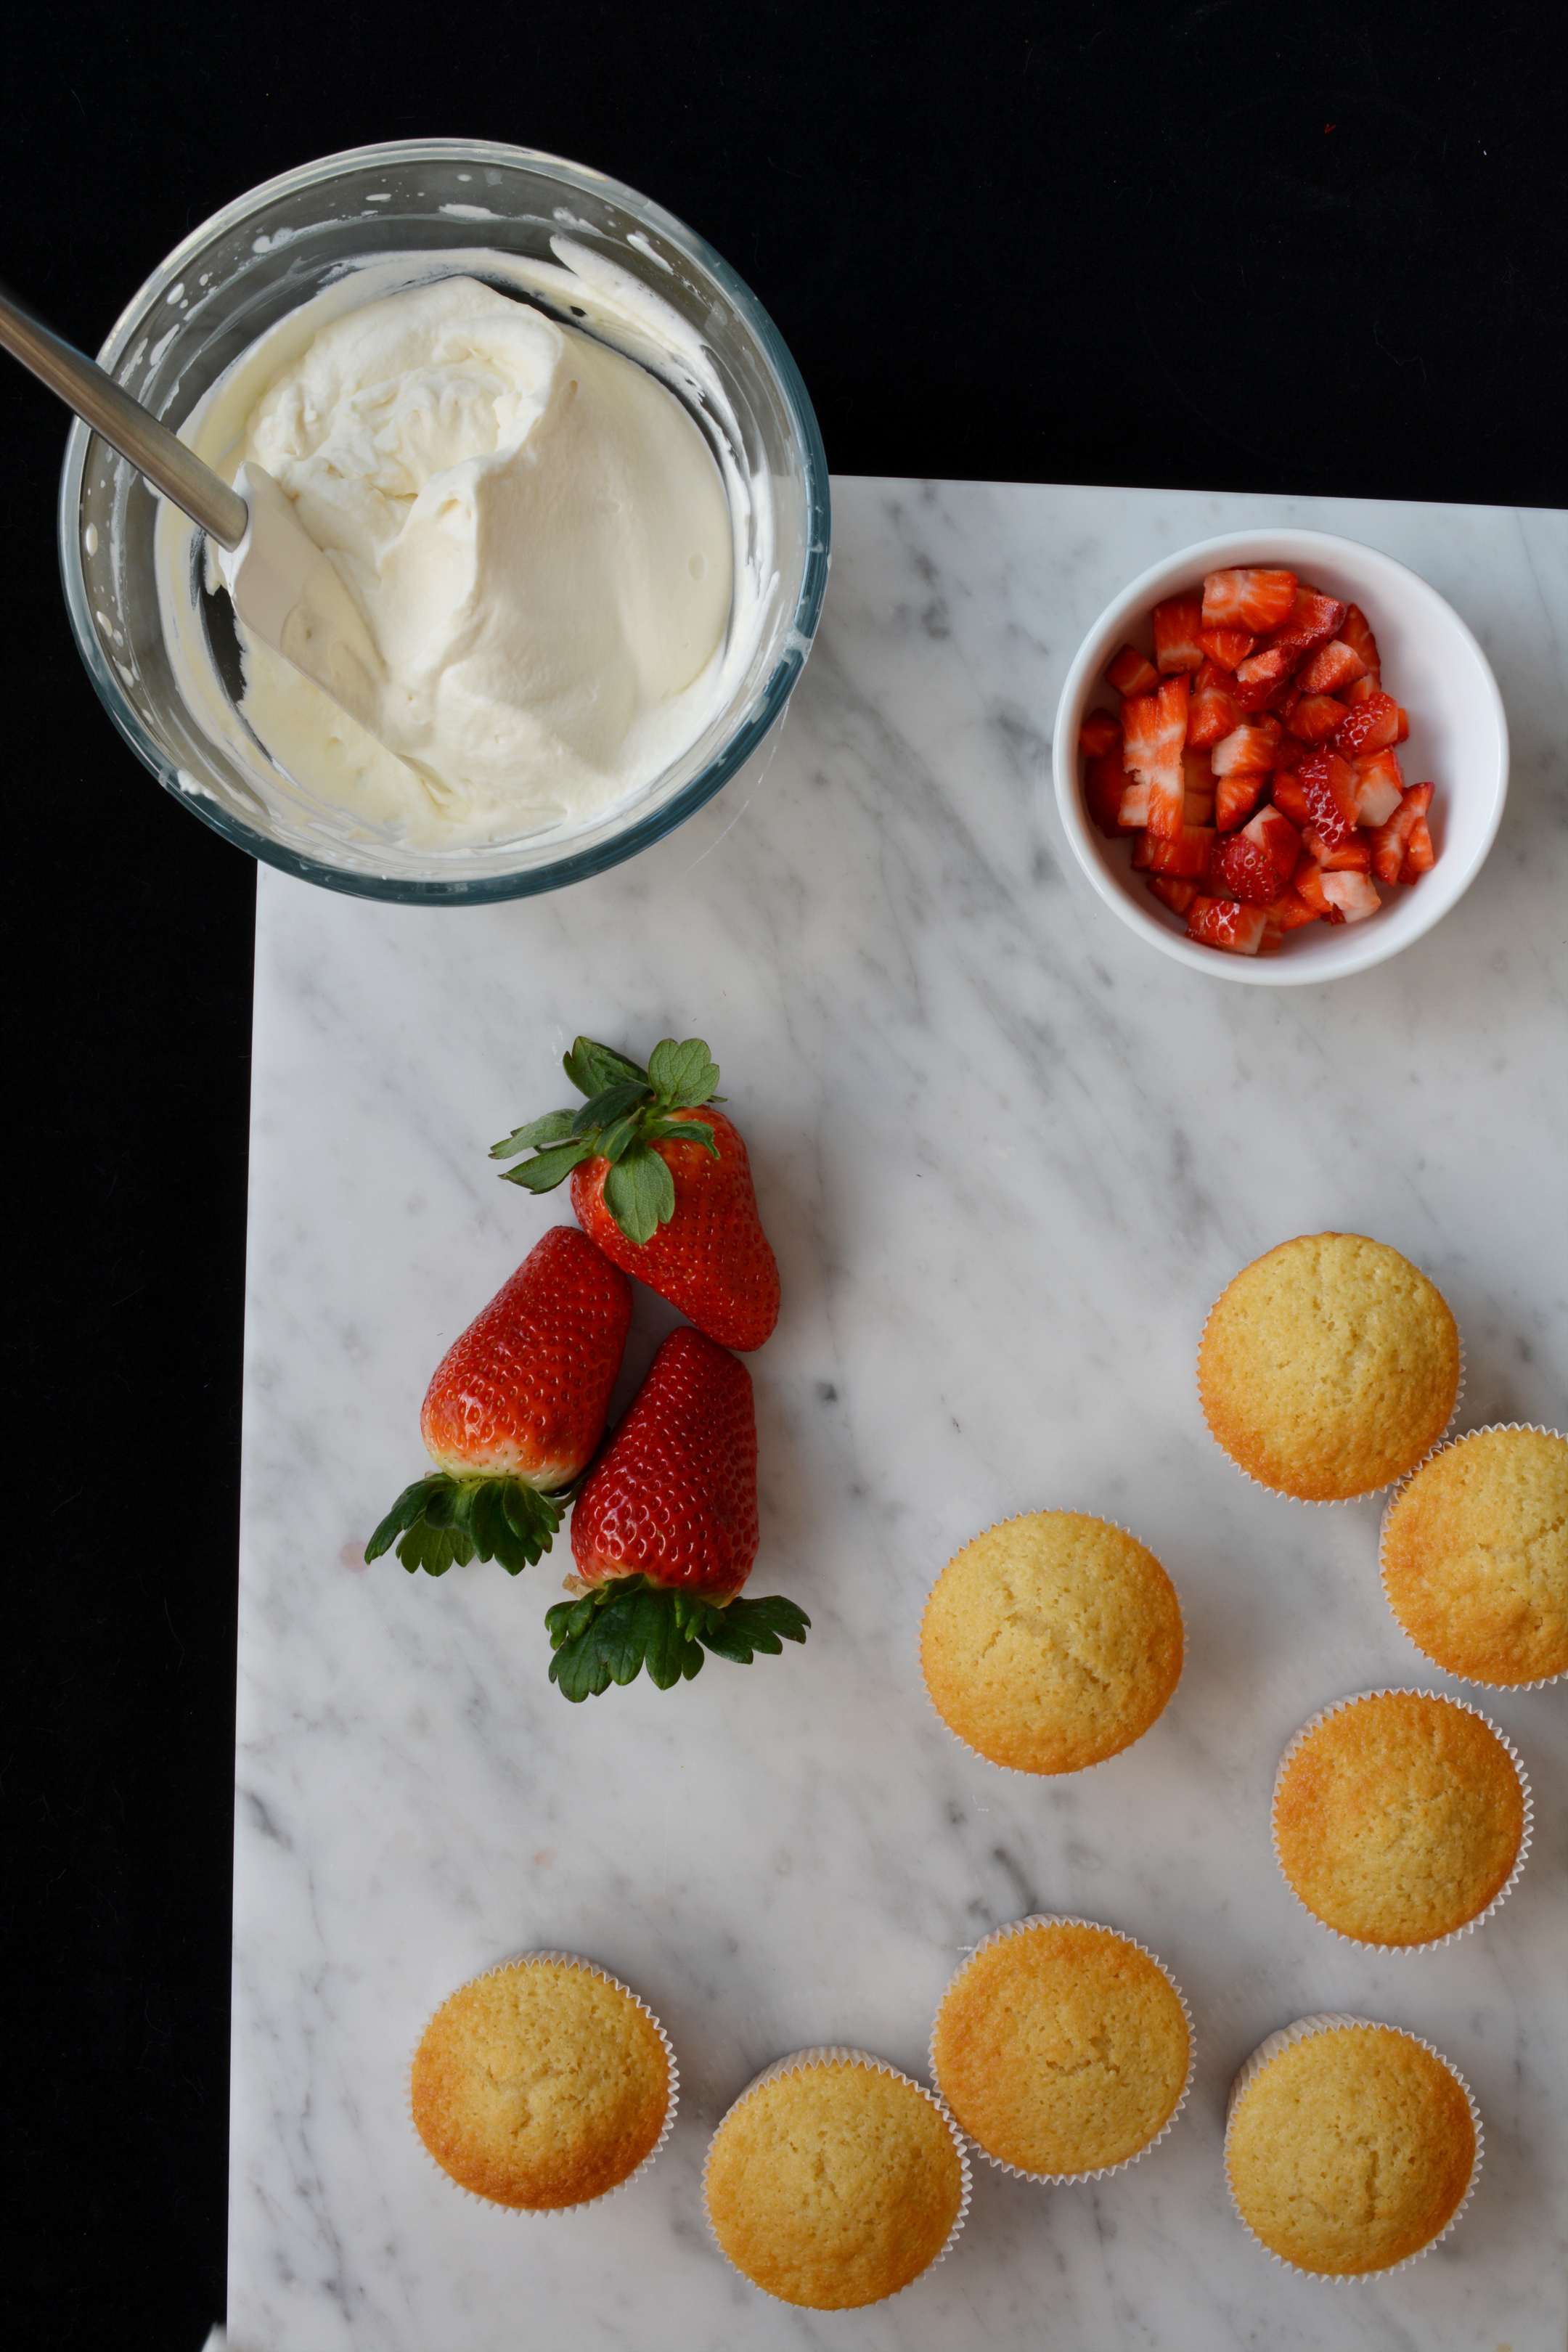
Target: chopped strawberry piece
(1391,840)
(1177,625)
(1236,797)
(1308,885)
(1104,783)
(1356,633)
(1132,810)
(1227,648)
(1361,690)
(1315,717)
(1311,622)
(1240,869)
(1100,732)
(1331,667)
(1248,599)
(1223,923)
(1420,856)
(1327,786)
(1187,857)
(1379,782)
(1351,856)
(1290,912)
(1291,800)
(1215,711)
(1262,677)
(1177,894)
(1155,730)
(1371,724)
(1131,672)
(1278,838)
(1291,754)
(1248,748)
(1355,895)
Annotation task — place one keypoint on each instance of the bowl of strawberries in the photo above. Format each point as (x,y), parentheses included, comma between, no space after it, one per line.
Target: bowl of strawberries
(1280,756)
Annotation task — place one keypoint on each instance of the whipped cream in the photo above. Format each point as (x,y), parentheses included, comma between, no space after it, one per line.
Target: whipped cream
(559,584)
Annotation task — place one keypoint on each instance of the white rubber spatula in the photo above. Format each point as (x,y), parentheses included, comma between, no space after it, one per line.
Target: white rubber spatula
(283,587)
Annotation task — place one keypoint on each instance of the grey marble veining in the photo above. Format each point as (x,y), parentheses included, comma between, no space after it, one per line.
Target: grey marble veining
(1007,1156)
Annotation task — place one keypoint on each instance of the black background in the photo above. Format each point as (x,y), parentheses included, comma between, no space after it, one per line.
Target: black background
(1217,245)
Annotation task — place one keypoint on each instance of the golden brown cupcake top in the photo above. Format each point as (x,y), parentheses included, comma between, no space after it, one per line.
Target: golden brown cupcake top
(1475,1556)
(1062,2048)
(541,2085)
(1051,1641)
(1351,2150)
(1328,1367)
(1399,1817)
(834,2184)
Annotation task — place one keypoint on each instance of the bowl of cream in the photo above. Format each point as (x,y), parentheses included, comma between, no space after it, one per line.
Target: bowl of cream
(568,477)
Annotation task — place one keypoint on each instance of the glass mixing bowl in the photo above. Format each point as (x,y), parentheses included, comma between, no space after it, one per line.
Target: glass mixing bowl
(273,249)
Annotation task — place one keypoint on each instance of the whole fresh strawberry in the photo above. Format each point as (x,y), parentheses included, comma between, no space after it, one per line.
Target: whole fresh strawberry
(660,1183)
(514,1413)
(665,1531)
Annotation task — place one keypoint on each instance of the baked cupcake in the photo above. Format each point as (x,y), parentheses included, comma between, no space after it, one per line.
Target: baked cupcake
(1475,1556)
(834,2180)
(1350,2147)
(1051,1641)
(544,2083)
(1062,2048)
(1400,1817)
(1329,1368)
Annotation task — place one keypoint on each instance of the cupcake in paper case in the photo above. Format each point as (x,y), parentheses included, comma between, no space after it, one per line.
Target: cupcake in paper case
(1399,1818)
(834,2180)
(1051,1641)
(1329,1368)
(542,2084)
(1350,2147)
(1063,2049)
(1475,1557)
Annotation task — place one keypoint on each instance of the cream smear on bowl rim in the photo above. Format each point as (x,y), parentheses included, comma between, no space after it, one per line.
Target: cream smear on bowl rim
(481,768)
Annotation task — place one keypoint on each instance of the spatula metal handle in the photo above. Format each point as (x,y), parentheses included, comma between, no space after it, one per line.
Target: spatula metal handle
(125,424)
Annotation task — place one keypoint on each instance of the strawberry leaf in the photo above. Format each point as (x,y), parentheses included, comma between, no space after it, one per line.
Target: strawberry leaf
(681,1131)
(639,1193)
(441,1519)
(551,1168)
(592,1067)
(554,1128)
(610,1106)
(682,1076)
(615,1142)
(628,1623)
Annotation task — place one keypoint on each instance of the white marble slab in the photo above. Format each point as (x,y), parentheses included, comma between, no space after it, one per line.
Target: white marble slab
(1008,1156)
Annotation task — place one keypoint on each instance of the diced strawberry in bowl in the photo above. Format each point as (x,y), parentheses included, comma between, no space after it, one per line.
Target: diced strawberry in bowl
(1260,789)
(1177,625)
(1132,672)
(1226,923)
(1331,667)
(1100,732)
(1248,599)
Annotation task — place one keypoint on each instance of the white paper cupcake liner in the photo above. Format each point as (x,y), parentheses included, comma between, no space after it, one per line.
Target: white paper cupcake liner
(1327,1502)
(1487,1429)
(840,2054)
(1303,2030)
(1022,1771)
(1095,2172)
(557,2212)
(1433,1943)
